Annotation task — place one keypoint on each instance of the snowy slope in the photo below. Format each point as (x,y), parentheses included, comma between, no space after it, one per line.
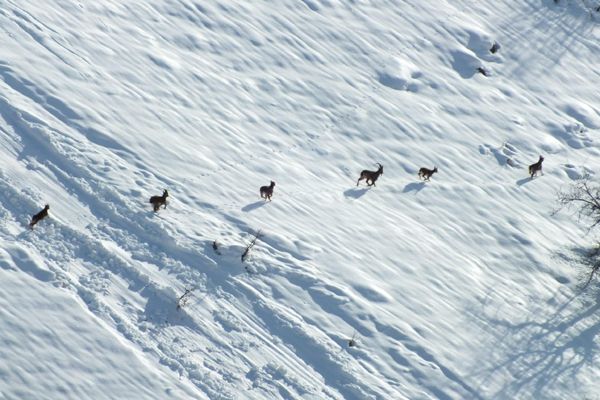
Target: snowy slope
(458,288)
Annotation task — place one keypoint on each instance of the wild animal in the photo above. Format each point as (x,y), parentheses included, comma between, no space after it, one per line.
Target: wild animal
(372,176)
(158,201)
(39,216)
(267,191)
(426,173)
(536,167)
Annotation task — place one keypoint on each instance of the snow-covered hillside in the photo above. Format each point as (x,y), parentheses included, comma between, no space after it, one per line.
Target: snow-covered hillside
(457,288)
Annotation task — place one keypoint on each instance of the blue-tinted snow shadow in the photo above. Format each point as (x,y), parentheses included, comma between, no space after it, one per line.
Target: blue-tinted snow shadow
(253,206)
(548,350)
(523,181)
(413,187)
(23,261)
(464,63)
(356,193)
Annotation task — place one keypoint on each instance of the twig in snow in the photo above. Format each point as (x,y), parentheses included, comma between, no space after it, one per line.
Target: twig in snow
(257,236)
(354,341)
(183,299)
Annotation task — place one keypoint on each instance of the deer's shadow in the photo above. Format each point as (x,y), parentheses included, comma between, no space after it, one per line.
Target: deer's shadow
(356,193)
(413,187)
(254,206)
(523,181)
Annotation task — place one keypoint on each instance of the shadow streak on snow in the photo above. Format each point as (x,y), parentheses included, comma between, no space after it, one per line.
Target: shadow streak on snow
(523,181)
(356,193)
(543,353)
(464,64)
(60,110)
(413,187)
(253,206)
(567,32)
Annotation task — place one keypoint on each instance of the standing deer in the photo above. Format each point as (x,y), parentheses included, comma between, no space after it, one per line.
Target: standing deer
(370,175)
(536,167)
(426,173)
(158,201)
(267,191)
(39,216)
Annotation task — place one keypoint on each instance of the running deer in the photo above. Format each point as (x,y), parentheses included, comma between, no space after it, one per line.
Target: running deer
(426,173)
(536,167)
(39,216)
(267,191)
(370,175)
(158,201)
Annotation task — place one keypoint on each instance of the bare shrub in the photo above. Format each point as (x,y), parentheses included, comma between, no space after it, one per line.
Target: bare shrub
(249,247)
(184,298)
(583,197)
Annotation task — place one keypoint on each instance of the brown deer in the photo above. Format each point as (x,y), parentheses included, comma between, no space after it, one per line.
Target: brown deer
(536,167)
(267,191)
(370,175)
(39,216)
(158,201)
(426,173)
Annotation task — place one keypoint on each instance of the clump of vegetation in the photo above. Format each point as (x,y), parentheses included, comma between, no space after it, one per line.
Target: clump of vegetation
(250,245)
(184,298)
(584,198)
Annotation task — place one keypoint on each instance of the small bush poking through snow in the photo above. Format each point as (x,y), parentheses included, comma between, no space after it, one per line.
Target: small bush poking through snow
(246,252)
(584,196)
(184,298)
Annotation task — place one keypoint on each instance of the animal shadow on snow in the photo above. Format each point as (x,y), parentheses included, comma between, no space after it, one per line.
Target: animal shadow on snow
(254,206)
(414,187)
(356,193)
(523,181)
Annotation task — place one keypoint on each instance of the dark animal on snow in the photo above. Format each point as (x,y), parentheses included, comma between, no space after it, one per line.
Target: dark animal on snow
(536,167)
(158,201)
(426,173)
(39,216)
(370,175)
(267,191)
(483,71)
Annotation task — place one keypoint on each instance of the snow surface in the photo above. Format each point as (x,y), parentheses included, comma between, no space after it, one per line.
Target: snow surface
(459,288)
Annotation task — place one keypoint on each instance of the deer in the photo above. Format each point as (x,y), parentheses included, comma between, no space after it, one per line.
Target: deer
(370,175)
(267,191)
(39,216)
(158,201)
(426,173)
(536,167)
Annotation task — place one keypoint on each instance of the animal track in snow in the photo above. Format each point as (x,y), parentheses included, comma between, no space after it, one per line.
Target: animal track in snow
(576,172)
(506,154)
(575,135)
